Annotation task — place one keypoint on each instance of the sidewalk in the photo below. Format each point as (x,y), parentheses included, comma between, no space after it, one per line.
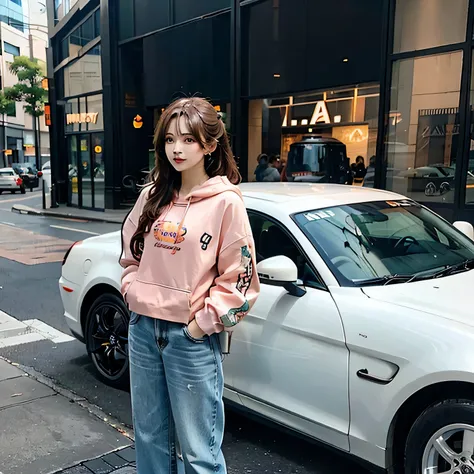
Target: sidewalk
(46,431)
(113,216)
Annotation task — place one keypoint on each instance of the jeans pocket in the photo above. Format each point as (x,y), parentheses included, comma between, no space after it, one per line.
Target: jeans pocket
(134,318)
(193,339)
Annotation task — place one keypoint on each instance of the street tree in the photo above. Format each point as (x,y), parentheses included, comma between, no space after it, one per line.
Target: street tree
(28,90)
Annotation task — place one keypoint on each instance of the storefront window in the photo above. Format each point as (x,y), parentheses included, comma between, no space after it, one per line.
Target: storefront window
(94,106)
(323,130)
(71,109)
(421,24)
(470,166)
(422,139)
(84,75)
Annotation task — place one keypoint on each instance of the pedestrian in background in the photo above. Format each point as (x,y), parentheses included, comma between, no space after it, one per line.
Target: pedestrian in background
(189,261)
(262,165)
(272,173)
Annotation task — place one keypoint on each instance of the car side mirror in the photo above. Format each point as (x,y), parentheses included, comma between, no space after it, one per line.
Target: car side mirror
(280,271)
(466,228)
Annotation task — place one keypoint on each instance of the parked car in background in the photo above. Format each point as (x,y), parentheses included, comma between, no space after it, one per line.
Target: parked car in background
(11,181)
(28,173)
(46,170)
(363,334)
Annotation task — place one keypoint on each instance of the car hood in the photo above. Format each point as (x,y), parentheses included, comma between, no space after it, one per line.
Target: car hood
(447,297)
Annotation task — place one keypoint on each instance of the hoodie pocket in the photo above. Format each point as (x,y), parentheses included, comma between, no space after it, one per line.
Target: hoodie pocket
(162,300)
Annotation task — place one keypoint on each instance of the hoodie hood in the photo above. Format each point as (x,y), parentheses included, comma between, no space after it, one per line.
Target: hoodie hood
(212,187)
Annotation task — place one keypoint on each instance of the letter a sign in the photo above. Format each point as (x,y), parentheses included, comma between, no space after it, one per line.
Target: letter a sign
(320,113)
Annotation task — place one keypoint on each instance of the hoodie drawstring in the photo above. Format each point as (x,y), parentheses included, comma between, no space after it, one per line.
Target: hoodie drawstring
(180,226)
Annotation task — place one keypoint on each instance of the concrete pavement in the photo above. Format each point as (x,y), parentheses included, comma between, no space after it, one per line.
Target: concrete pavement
(43,431)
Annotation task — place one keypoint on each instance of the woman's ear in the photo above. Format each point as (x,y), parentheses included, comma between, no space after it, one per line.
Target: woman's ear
(211,148)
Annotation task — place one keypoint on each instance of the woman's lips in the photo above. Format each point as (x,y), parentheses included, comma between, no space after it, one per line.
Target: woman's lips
(179,160)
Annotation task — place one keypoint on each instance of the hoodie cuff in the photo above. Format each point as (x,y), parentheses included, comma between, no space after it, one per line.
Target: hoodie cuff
(207,324)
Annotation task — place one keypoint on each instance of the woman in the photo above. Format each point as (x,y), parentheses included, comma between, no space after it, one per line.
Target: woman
(190,273)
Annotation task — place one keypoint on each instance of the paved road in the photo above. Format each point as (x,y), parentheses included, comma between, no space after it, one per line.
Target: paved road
(31,291)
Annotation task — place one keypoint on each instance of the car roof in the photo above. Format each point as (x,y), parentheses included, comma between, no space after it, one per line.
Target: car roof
(7,169)
(297,197)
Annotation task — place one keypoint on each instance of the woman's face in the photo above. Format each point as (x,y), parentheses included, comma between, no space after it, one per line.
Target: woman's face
(183,151)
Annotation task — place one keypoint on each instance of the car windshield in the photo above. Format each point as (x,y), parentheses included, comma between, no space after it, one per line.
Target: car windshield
(366,242)
(6,173)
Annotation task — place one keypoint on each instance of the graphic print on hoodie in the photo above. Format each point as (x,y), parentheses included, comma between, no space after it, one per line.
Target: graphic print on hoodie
(198,259)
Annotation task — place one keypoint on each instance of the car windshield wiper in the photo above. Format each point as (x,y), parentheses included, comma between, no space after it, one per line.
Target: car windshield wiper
(388,279)
(463,266)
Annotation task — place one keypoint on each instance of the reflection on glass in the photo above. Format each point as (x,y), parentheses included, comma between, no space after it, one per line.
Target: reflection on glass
(73,179)
(99,170)
(385,242)
(85,169)
(94,105)
(444,22)
(470,165)
(347,116)
(84,75)
(421,144)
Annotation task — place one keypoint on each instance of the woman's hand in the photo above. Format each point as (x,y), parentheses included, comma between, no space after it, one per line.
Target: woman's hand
(195,331)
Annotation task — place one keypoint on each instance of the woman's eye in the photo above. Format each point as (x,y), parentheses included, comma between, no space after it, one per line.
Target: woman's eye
(169,140)
(189,140)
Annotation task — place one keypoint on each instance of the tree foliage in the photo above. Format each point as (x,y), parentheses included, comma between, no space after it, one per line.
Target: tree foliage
(28,89)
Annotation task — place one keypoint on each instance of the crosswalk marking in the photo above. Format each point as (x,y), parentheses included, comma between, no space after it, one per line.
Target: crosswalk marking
(14,332)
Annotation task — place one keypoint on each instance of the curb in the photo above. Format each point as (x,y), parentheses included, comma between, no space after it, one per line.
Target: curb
(20,209)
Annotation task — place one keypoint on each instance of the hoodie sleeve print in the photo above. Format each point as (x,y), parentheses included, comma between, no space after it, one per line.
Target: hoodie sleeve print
(237,286)
(127,261)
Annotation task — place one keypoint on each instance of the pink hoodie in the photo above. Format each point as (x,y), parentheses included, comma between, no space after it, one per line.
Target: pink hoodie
(198,260)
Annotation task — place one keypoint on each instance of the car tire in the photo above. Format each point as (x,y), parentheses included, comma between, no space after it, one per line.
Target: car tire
(446,427)
(22,190)
(107,339)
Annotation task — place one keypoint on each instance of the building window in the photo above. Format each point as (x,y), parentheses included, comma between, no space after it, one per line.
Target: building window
(10,48)
(11,110)
(423,142)
(342,120)
(80,37)
(16,2)
(84,75)
(470,166)
(421,24)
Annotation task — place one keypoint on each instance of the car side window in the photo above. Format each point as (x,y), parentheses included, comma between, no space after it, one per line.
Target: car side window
(271,240)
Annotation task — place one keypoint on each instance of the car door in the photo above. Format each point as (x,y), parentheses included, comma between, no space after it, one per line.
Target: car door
(289,361)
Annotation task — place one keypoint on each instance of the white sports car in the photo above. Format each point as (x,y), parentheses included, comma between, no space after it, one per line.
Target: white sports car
(363,335)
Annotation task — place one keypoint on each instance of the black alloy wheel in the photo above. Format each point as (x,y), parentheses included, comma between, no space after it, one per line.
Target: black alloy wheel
(107,339)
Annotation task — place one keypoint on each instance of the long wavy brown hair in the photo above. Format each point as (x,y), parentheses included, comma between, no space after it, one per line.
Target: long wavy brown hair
(207,128)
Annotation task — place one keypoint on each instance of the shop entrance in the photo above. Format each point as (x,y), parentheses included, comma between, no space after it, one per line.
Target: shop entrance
(86,174)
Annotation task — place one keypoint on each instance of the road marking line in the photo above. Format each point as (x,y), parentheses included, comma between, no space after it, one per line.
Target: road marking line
(48,331)
(8,223)
(73,230)
(18,199)
(14,332)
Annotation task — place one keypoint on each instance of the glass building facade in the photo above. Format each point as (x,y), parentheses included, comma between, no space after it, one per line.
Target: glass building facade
(397,95)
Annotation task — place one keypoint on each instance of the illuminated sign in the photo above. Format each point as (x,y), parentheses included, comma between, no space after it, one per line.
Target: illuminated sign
(320,114)
(90,117)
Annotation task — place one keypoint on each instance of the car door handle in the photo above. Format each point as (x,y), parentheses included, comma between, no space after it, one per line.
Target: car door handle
(364,374)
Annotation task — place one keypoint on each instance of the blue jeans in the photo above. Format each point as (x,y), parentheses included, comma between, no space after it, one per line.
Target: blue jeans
(177,386)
